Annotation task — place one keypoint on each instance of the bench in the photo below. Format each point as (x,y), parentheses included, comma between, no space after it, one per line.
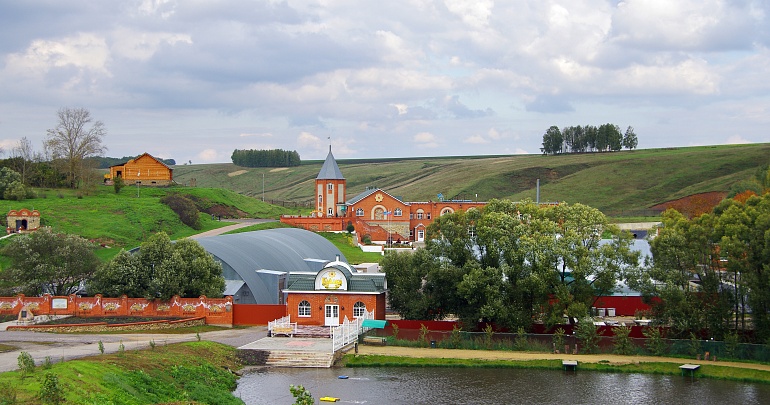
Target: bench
(375,340)
(287,330)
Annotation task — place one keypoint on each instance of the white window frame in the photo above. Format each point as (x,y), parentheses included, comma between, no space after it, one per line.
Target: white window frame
(304,311)
(359,310)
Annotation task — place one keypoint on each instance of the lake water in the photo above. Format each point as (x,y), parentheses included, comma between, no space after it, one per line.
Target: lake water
(403,385)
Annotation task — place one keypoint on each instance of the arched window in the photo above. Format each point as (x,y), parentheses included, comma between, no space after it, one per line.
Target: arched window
(304,309)
(397,212)
(420,214)
(360,212)
(447,210)
(359,309)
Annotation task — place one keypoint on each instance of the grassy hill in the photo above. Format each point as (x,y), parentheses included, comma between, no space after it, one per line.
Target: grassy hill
(124,220)
(613,182)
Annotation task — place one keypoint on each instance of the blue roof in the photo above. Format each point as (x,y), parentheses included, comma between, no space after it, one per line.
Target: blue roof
(330,170)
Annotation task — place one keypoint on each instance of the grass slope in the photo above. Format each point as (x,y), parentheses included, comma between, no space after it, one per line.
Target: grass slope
(628,180)
(126,219)
(181,373)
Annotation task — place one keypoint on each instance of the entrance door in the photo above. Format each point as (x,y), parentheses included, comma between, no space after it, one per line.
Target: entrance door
(332,315)
(420,235)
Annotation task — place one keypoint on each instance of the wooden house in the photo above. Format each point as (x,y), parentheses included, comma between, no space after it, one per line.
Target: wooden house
(144,170)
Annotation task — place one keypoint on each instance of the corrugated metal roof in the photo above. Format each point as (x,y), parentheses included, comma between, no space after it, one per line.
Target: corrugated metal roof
(330,170)
(282,250)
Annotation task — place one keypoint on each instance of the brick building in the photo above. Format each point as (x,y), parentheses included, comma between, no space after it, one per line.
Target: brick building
(333,294)
(374,212)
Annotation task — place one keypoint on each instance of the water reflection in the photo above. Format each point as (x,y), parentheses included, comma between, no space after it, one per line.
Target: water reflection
(491,386)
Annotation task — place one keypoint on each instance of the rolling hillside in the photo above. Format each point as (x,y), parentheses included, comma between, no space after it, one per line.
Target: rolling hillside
(616,183)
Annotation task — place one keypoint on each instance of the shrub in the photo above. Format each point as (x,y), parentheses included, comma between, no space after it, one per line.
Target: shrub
(118,184)
(47,363)
(350,228)
(7,393)
(26,364)
(184,208)
(423,334)
(521,342)
(559,337)
(15,192)
(395,331)
(301,395)
(731,344)
(622,341)
(489,333)
(101,347)
(455,339)
(588,334)
(655,343)
(50,391)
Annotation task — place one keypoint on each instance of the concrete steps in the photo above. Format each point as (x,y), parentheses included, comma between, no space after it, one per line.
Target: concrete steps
(297,358)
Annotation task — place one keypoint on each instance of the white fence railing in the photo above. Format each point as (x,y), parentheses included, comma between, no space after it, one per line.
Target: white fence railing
(282,326)
(348,332)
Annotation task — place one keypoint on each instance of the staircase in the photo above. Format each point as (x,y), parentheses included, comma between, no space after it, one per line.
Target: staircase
(297,358)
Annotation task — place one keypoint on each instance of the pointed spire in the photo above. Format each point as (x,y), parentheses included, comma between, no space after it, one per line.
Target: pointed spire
(330,170)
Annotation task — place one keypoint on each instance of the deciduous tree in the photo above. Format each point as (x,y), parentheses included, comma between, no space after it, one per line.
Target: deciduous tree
(161,269)
(75,137)
(49,262)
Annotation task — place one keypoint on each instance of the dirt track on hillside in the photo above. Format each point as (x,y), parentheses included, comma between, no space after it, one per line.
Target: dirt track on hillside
(523,356)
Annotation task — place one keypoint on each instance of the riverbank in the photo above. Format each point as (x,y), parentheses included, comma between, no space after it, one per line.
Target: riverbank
(379,356)
(175,373)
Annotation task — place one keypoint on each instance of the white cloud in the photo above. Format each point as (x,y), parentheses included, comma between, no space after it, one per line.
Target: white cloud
(476,139)
(209,156)
(84,51)
(736,139)
(425,140)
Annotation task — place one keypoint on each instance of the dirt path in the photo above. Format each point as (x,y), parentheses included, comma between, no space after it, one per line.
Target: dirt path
(237,223)
(522,356)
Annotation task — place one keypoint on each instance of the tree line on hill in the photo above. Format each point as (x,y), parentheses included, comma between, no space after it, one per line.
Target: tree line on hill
(587,138)
(265,158)
(513,264)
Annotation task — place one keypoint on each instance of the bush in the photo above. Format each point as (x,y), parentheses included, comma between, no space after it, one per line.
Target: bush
(26,364)
(184,208)
(559,338)
(118,184)
(623,343)
(588,334)
(15,192)
(654,343)
(50,391)
(7,393)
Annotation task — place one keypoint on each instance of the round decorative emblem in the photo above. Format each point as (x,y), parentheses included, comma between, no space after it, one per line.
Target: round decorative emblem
(378,197)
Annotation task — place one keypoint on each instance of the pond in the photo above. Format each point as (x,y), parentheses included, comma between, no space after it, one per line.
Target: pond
(401,385)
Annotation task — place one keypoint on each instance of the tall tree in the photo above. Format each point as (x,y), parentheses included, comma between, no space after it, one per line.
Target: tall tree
(161,269)
(552,141)
(75,137)
(504,262)
(49,262)
(629,139)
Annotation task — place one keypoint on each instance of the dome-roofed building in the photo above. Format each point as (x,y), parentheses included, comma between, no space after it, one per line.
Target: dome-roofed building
(256,265)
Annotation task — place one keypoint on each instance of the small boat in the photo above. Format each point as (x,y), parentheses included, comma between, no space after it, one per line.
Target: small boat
(329,399)
(343,377)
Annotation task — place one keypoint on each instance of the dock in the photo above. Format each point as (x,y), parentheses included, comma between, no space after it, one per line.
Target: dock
(569,365)
(689,367)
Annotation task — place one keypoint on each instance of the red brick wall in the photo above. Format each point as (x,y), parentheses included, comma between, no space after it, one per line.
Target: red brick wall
(345,301)
(217,311)
(257,314)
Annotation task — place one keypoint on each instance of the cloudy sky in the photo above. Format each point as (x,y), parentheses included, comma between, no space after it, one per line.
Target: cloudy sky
(194,80)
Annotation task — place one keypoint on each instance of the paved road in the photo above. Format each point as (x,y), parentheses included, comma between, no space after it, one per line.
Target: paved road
(67,347)
(237,223)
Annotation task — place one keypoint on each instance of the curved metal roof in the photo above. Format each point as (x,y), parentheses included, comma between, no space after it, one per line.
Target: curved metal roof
(283,249)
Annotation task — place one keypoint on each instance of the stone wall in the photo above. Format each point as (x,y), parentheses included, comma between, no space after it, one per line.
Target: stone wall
(104,327)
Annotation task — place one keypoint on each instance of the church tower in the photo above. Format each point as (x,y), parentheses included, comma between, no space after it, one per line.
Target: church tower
(330,189)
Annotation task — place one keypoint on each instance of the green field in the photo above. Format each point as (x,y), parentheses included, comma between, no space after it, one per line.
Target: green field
(126,219)
(611,182)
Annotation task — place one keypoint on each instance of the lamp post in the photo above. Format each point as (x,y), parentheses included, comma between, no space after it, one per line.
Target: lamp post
(263,187)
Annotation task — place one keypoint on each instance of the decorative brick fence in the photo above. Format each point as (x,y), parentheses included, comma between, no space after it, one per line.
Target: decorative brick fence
(216,311)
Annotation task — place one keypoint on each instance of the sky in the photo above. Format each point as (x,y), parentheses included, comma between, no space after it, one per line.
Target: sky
(194,80)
